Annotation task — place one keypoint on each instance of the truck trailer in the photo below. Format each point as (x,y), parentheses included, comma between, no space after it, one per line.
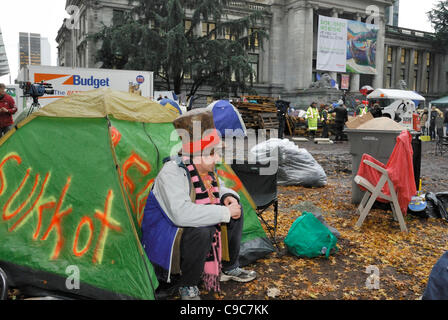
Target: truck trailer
(68,81)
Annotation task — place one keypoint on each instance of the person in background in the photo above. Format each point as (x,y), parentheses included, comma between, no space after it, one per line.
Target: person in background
(432,123)
(445,121)
(324,119)
(423,121)
(7,109)
(341,119)
(282,111)
(361,109)
(439,125)
(376,111)
(313,119)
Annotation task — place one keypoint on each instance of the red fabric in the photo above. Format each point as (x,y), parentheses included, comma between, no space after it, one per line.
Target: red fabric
(400,168)
(6,117)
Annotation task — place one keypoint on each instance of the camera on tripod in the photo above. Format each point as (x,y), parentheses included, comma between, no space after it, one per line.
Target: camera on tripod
(36,90)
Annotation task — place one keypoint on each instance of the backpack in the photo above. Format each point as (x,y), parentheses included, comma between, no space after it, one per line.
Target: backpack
(308,237)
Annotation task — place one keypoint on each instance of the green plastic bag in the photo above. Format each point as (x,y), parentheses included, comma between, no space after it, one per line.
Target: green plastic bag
(308,237)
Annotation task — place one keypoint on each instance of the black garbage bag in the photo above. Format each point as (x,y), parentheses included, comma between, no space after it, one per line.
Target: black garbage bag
(435,208)
(437,287)
(443,198)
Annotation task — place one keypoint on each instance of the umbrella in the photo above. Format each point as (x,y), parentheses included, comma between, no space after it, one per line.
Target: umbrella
(366,90)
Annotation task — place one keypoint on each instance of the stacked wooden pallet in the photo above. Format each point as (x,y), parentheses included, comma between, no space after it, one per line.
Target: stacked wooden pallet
(258,112)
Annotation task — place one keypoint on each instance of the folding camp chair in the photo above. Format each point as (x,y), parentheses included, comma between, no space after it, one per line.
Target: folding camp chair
(373,175)
(263,190)
(375,192)
(441,143)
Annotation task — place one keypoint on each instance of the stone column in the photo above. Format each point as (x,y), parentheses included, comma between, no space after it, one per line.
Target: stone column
(422,72)
(378,80)
(276,46)
(432,72)
(298,59)
(307,65)
(411,69)
(435,66)
(397,68)
(355,78)
(442,74)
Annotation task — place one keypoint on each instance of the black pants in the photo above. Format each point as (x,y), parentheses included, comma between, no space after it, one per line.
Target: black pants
(195,246)
(432,132)
(281,129)
(339,126)
(4,130)
(324,130)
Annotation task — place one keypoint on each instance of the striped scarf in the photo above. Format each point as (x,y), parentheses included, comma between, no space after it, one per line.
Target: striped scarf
(207,193)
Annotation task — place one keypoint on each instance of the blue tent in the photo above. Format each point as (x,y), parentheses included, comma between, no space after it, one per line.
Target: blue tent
(171,105)
(227,118)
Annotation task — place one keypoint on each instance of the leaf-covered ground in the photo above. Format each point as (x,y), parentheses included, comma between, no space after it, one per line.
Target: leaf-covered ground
(404,260)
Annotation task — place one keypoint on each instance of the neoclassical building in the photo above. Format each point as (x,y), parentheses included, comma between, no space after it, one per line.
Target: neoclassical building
(286,66)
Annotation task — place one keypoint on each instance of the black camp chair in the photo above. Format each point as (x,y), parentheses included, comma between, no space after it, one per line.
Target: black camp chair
(441,143)
(263,190)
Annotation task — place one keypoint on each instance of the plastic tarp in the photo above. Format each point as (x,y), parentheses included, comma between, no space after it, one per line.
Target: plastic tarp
(228,120)
(296,165)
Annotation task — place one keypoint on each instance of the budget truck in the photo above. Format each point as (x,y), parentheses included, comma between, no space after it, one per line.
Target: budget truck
(67,81)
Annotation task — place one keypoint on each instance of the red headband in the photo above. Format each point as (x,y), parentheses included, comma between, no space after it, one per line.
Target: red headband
(208,141)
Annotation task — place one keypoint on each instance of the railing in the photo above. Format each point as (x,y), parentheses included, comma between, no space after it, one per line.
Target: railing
(410,32)
(248,5)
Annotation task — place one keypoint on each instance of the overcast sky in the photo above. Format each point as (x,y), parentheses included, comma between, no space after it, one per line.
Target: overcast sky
(46,17)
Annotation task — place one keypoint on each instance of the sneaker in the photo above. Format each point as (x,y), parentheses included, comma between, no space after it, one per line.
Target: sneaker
(189,293)
(239,275)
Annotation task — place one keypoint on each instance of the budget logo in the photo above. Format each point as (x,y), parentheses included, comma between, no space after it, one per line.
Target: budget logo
(74,80)
(96,83)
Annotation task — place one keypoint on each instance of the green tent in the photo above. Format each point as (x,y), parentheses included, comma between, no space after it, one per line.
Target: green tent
(440,102)
(74,180)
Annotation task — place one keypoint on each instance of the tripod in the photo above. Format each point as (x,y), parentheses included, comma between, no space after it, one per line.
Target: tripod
(34,107)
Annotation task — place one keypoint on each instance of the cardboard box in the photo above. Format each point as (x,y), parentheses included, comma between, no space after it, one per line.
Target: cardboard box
(358,121)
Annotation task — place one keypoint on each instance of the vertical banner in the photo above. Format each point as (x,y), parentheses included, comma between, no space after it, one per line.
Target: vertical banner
(345,81)
(332,44)
(361,47)
(346,46)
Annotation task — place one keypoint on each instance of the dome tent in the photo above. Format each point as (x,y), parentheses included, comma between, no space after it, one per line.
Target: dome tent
(74,179)
(227,119)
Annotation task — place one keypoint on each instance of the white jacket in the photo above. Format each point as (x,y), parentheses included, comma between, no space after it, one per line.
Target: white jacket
(172,190)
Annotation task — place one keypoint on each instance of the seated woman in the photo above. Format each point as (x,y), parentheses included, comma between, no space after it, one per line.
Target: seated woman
(192,225)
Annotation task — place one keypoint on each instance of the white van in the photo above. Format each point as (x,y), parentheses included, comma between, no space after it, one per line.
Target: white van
(399,105)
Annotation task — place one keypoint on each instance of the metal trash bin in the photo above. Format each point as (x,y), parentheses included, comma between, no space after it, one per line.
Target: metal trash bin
(377,143)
